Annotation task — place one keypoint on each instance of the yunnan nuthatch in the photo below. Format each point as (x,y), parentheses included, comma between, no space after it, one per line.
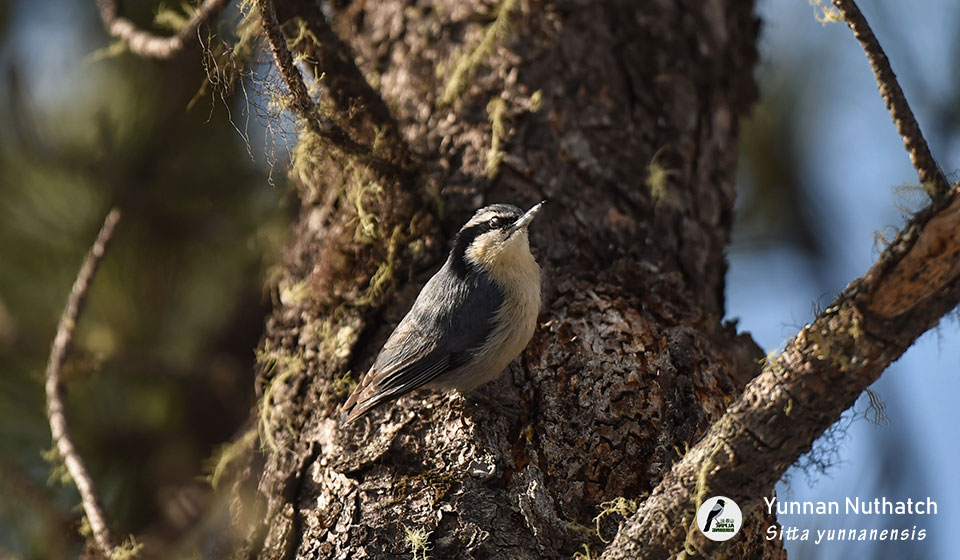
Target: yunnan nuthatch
(471,319)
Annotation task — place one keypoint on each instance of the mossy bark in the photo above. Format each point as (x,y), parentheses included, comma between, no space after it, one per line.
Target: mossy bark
(624,117)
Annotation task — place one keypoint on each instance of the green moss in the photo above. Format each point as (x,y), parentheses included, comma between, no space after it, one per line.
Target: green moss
(229,453)
(930,188)
(657,178)
(825,14)
(618,506)
(434,190)
(59,474)
(127,550)
(266,426)
(379,136)
(496,111)
(690,515)
(417,248)
(278,102)
(367,223)
(282,366)
(700,494)
(585,555)
(112,50)
(294,294)
(418,541)
(342,384)
(344,341)
(855,329)
(580,528)
(171,19)
(383,277)
(85,530)
(303,32)
(581,532)
(466,65)
(305,162)
(536,101)
(769,359)
(337,344)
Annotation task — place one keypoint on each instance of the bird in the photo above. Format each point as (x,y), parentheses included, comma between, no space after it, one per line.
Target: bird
(470,320)
(714,512)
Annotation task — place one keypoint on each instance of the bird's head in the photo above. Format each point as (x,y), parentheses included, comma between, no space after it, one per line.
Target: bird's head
(495,237)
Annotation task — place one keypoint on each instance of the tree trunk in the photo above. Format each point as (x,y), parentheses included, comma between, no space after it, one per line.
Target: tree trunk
(624,117)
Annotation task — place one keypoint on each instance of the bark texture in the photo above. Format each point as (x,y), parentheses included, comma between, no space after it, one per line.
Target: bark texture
(624,117)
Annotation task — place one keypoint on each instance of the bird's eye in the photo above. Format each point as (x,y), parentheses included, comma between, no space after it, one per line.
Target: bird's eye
(496,223)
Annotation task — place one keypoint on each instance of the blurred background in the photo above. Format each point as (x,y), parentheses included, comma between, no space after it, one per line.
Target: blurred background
(163,364)
(162,370)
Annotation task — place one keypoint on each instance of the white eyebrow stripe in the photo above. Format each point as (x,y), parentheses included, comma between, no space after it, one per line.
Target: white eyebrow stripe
(482,217)
(486,216)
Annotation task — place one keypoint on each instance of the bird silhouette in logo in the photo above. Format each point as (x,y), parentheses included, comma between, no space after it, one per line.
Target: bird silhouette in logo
(717,509)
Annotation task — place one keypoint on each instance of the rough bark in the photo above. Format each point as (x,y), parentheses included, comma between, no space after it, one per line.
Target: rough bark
(624,117)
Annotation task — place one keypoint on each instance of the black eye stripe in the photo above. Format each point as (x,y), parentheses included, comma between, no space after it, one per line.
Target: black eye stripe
(500,217)
(498,222)
(490,224)
(468,234)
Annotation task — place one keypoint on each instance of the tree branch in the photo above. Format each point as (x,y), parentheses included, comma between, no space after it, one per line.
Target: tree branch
(303,105)
(55,409)
(145,43)
(931,177)
(807,387)
(365,113)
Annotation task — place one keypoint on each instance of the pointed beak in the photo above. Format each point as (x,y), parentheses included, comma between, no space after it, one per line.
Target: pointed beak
(524,221)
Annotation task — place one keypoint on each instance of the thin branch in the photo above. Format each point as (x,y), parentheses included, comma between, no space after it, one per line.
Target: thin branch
(303,105)
(322,51)
(145,43)
(930,175)
(802,392)
(55,409)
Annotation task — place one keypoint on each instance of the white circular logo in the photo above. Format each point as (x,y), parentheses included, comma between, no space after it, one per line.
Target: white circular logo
(719,518)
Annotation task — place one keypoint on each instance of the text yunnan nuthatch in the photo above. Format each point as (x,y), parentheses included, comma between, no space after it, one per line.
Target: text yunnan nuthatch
(471,319)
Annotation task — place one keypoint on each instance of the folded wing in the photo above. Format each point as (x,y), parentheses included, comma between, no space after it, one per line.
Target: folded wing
(453,315)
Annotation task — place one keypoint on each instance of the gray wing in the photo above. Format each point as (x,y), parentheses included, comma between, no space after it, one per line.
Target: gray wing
(453,315)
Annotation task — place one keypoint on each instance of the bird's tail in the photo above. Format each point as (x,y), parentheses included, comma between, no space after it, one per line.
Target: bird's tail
(362,401)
